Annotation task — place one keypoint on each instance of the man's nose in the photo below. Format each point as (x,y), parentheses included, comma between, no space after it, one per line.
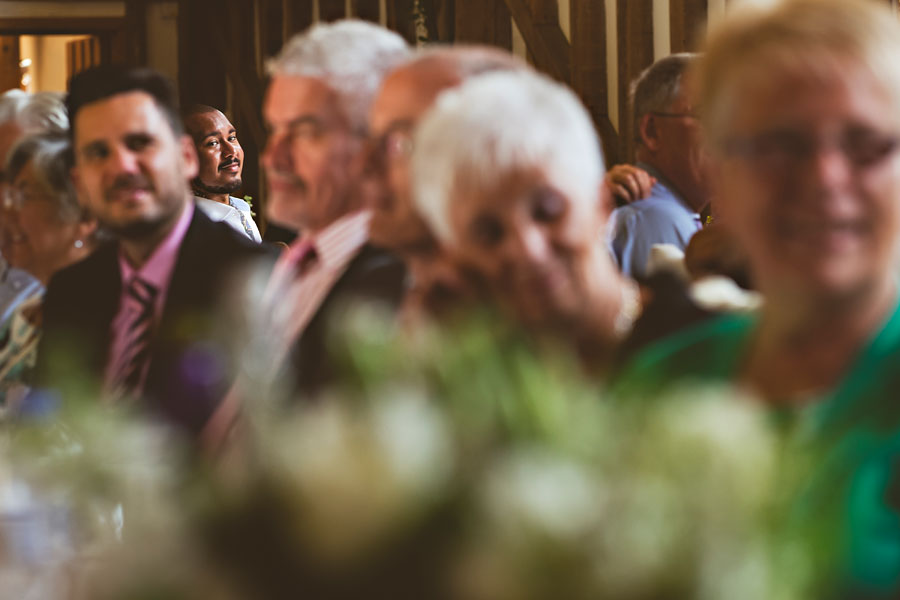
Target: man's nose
(123,160)
(231,149)
(276,155)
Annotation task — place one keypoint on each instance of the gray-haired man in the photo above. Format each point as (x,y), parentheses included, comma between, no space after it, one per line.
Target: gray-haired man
(323,84)
(669,149)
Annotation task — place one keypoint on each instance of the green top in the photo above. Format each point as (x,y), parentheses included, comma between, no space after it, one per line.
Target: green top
(854,429)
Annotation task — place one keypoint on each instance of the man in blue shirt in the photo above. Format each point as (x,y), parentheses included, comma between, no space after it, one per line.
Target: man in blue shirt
(669,149)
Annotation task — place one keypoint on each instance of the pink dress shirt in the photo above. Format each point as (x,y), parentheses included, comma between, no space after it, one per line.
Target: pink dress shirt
(292,301)
(157,271)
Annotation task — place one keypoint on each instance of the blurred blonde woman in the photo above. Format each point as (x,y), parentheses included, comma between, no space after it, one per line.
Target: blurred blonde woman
(800,109)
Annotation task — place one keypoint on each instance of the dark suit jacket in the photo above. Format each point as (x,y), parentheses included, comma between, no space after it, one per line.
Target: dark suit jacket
(189,367)
(373,275)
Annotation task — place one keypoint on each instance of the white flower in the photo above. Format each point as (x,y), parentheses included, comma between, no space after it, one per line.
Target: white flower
(355,476)
(535,492)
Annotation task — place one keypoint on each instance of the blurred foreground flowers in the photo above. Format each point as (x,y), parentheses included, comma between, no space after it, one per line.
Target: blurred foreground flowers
(449,465)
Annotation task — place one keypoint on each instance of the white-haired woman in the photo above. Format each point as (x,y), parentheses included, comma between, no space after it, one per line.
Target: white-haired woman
(800,107)
(47,231)
(508,172)
(21,114)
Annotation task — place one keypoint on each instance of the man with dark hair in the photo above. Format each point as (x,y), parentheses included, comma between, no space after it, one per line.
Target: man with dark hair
(670,150)
(221,161)
(133,320)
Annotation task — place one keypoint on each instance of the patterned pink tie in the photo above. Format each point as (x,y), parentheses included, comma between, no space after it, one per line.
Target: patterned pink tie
(131,364)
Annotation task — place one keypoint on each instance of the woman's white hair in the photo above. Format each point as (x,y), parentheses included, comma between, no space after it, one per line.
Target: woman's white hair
(49,155)
(351,56)
(496,123)
(42,111)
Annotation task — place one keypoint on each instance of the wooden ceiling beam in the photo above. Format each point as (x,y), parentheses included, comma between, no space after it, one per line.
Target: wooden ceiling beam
(298,16)
(483,22)
(635,34)
(545,40)
(687,21)
(544,12)
(589,72)
(399,19)
(248,86)
(332,10)
(367,10)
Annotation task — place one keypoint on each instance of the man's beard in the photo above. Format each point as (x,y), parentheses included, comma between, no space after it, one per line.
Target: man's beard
(137,229)
(202,189)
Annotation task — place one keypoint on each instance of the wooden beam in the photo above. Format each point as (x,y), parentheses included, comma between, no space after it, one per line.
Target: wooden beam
(502,22)
(472,21)
(635,32)
(367,10)
(246,89)
(247,84)
(544,12)
(400,19)
(547,42)
(136,32)
(271,27)
(588,28)
(55,25)
(201,72)
(297,16)
(687,21)
(440,19)
(332,10)
(95,50)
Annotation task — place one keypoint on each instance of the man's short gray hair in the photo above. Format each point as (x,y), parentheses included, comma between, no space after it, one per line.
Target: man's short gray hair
(50,158)
(657,86)
(497,123)
(350,56)
(42,111)
(469,60)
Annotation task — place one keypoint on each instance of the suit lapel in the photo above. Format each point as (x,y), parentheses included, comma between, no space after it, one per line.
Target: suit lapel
(188,265)
(102,303)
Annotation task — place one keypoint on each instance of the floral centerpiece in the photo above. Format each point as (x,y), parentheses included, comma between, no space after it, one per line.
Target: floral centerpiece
(451,463)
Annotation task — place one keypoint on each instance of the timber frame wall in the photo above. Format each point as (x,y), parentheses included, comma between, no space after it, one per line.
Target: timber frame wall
(222,50)
(223,45)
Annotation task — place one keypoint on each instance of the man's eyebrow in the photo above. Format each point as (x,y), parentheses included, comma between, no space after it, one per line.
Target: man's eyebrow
(304,119)
(93,145)
(216,132)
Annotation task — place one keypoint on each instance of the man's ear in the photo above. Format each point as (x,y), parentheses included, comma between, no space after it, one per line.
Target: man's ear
(189,157)
(647,132)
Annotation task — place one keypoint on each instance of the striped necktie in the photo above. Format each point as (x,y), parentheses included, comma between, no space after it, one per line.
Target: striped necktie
(305,259)
(131,364)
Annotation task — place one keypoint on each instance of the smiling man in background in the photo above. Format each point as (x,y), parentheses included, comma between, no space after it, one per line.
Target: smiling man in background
(221,161)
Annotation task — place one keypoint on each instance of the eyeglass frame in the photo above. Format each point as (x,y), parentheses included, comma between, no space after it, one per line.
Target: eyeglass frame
(806,147)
